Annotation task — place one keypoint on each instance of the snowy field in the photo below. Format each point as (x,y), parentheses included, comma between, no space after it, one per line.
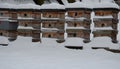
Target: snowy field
(23,54)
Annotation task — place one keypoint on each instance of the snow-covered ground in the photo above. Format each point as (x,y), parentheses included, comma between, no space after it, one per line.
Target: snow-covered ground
(23,54)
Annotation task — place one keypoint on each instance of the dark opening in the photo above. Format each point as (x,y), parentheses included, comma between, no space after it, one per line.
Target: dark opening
(74,35)
(50,16)
(103,25)
(26,25)
(1,34)
(49,36)
(60,1)
(76,13)
(75,25)
(1,14)
(25,15)
(49,25)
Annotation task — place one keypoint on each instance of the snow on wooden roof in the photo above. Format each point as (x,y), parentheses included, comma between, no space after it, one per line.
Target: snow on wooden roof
(29,4)
(78,5)
(17,1)
(105,5)
(93,4)
(18,4)
(52,5)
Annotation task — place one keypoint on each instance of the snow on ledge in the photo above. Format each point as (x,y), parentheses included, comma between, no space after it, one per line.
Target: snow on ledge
(78,19)
(102,17)
(23,27)
(25,18)
(50,29)
(75,28)
(103,28)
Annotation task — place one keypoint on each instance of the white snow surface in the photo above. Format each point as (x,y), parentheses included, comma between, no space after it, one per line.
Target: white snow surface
(25,18)
(52,5)
(78,4)
(105,5)
(75,28)
(19,4)
(17,1)
(23,54)
(29,4)
(50,29)
(4,40)
(93,4)
(103,17)
(76,19)
(103,42)
(71,41)
(23,27)
(103,28)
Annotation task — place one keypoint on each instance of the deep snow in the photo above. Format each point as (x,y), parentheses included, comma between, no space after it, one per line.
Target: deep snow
(23,54)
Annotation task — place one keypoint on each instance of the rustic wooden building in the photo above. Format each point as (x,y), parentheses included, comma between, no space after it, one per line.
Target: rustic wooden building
(53,20)
(106,20)
(8,22)
(29,21)
(29,17)
(78,21)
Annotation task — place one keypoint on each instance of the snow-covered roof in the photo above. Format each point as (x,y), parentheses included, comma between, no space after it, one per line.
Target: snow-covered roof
(93,4)
(106,5)
(7,5)
(28,6)
(78,4)
(17,1)
(18,4)
(94,1)
(52,6)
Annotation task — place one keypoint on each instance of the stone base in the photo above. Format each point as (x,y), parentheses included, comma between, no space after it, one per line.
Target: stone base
(60,41)
(114,41)
(12,39)
(4,44)
(36,40)
(86,41)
